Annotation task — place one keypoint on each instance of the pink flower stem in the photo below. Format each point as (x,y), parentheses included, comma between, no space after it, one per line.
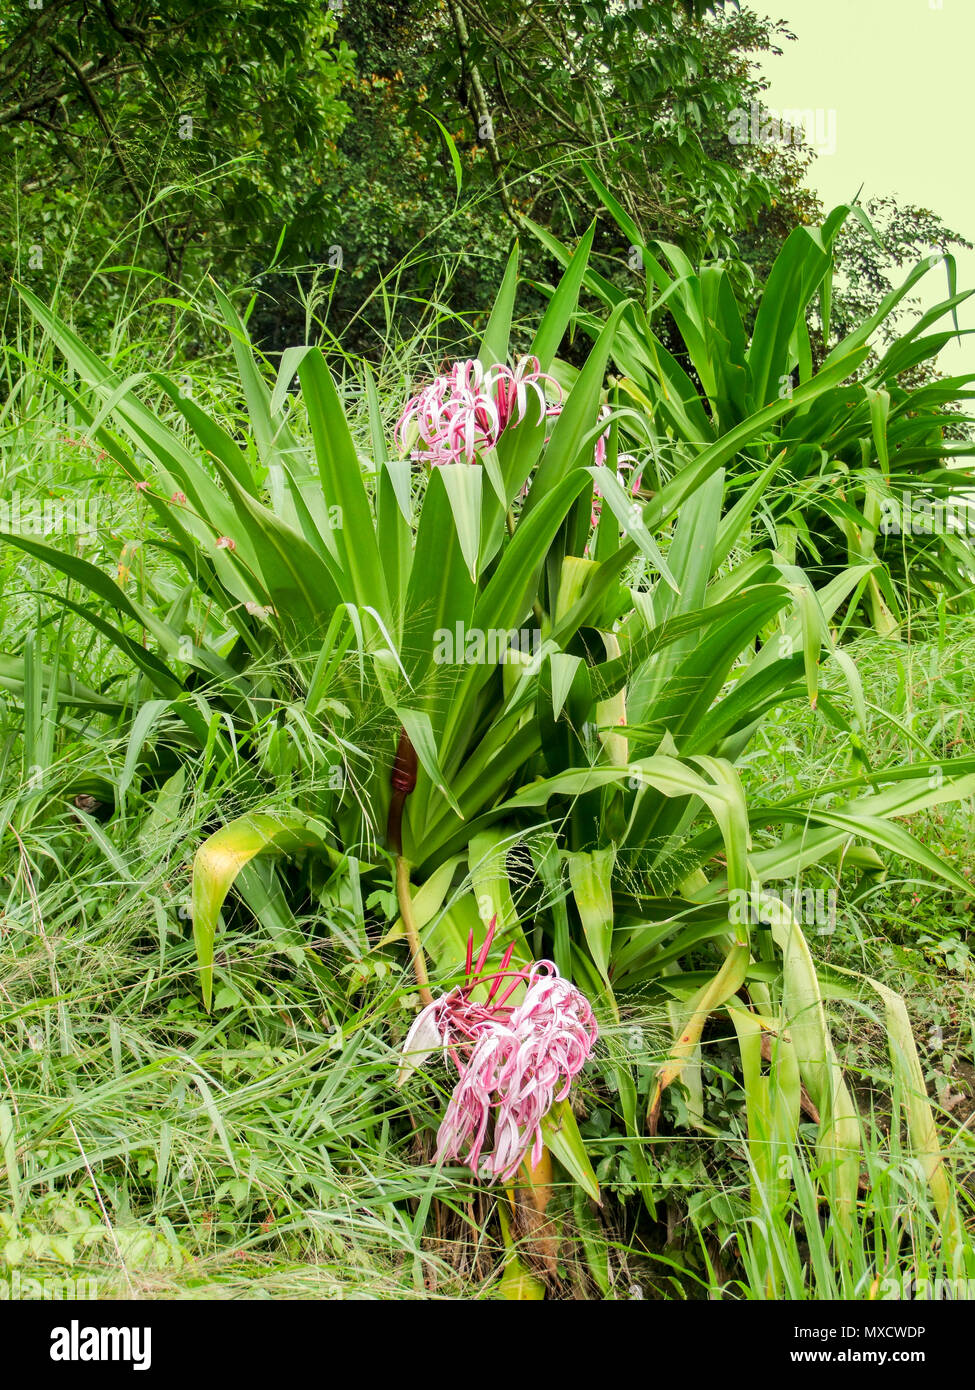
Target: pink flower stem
(504,966)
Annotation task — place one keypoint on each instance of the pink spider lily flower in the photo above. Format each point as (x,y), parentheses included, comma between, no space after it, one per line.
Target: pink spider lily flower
(452,417)
(514,1061)
(512,389)
(464,412)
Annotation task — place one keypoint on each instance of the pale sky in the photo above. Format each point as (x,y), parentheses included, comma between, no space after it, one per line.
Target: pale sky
(900,77)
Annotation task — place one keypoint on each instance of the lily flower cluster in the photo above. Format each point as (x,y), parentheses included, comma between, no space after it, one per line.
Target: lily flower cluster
(514,1062)
(464,412)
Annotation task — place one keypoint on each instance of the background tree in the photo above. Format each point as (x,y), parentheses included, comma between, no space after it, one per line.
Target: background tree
(388,154)
(509,100)
(187,134)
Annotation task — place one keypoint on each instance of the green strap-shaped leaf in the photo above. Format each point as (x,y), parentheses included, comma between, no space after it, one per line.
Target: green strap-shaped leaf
(420,733)
(494,344)
(561,1134)
(629,515)
(591,879)
(463,485)
(220,859)
(838,1143)
(342,484)
(577,419)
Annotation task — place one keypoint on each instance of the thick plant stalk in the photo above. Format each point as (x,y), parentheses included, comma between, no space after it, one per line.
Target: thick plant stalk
(403,780)
(525,1223)
(412,935)
(518,1284)
(529,1205)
